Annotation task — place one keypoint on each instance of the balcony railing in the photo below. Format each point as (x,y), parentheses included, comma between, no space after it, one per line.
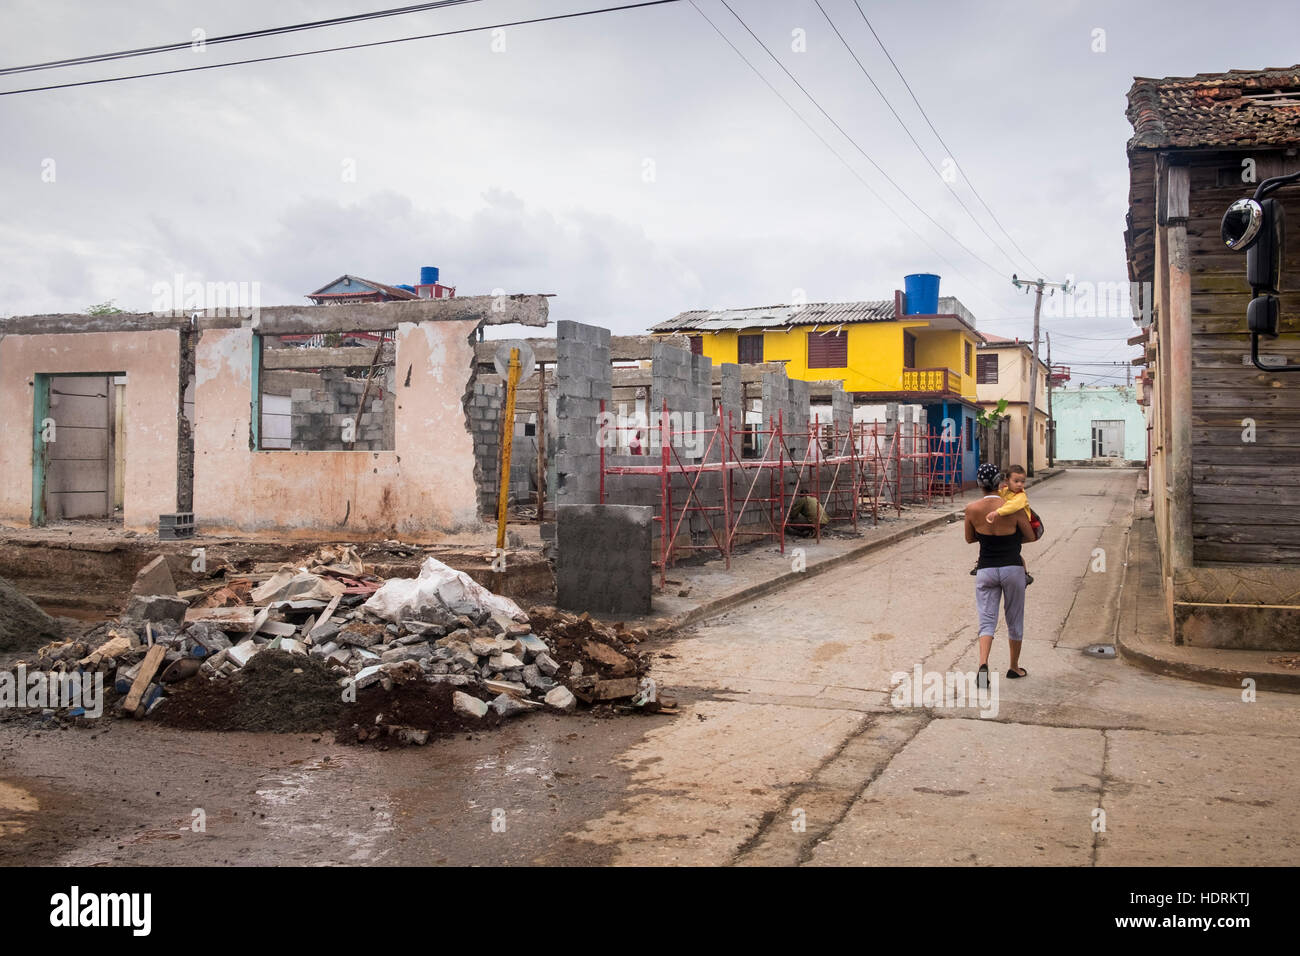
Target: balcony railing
(935,380)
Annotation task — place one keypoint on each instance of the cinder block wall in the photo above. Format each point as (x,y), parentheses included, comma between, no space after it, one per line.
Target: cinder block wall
(583,377)
(682,382)
(485,411)
(320,413)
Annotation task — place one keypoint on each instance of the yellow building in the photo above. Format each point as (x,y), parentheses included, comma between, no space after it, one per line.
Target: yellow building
(879,353)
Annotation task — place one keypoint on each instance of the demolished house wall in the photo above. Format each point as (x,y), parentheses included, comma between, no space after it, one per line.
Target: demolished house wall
(151,360)
(426,483)
(194,376)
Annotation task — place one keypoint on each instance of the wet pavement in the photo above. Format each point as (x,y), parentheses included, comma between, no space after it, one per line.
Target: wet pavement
(787,749)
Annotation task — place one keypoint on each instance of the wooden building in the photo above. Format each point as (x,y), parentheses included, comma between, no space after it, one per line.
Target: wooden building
(1224,436)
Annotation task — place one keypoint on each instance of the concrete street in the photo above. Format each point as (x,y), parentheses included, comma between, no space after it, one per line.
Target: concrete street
(787,749)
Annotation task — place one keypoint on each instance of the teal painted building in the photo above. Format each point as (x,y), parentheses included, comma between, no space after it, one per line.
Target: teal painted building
(1099,423)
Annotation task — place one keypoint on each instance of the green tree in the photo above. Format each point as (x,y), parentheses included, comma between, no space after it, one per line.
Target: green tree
(104,308)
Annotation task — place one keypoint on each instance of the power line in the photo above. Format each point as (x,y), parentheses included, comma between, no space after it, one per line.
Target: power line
(946,147)
(352,46)
(230,37)
(834,152)
(906,130)
(974,255)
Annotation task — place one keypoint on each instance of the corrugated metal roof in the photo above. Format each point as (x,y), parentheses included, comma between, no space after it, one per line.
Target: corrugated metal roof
(779,316)
(389,290)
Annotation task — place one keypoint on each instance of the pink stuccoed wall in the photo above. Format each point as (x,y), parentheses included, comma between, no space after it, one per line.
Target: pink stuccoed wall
(151,361)
(422,488)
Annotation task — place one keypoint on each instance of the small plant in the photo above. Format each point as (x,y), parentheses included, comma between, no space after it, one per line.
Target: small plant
(103,308)
(988,417)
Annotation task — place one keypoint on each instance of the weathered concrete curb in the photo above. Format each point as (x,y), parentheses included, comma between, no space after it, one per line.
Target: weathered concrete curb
(1205,673)
(728,601)
(1148,656)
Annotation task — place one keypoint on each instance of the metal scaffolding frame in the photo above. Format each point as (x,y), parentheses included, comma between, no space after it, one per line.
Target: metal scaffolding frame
(868,467)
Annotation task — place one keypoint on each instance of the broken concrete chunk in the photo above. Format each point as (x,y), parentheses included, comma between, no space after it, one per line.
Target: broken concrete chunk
(208,635)
(419,629)
(357,637)
(575,669)
(156,607)
(505,662)
(615,689)
(619,664)
(339,656)
(546,664)
(154,578)
(506,687)
(507,706)
(367,676)
(322,633)
(456,680)
(533,645)
(412,652)
(409,735)
(484,647)
(467,706)
(531,676)
(241,653)
(562,699)
(292,645)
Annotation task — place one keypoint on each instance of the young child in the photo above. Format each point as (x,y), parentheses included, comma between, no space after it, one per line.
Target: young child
(1012,491)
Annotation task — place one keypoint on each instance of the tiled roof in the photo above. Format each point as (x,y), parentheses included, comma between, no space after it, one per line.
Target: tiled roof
(991,339)
(1237,108)
(779,316)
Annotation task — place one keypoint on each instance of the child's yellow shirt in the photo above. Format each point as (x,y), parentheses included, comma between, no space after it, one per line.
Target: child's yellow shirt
(1014,502)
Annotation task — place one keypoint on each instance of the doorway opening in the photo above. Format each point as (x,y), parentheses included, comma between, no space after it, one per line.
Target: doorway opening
(79,448)
(1108,438)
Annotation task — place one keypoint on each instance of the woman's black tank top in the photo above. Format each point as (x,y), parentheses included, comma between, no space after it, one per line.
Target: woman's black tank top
(999,550)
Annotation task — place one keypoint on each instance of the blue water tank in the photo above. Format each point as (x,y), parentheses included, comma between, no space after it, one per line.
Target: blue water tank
(428,275)
(922,292)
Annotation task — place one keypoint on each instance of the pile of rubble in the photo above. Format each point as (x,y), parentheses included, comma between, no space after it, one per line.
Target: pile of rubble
(438,630)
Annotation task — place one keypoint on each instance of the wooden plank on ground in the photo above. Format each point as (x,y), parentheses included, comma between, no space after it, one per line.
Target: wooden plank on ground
(148,668)
(325,615)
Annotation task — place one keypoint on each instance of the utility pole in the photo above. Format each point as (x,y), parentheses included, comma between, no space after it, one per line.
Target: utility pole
(1051,422)
(1039,285)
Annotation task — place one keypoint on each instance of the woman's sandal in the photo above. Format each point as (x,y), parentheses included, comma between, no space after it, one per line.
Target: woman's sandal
(1014,676)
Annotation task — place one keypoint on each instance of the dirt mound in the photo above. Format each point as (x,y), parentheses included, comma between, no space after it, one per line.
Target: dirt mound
(23,625)
(417,704)
(603,650)
(275,691)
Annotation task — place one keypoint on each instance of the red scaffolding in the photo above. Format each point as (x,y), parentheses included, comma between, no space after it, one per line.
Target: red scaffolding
(868,466)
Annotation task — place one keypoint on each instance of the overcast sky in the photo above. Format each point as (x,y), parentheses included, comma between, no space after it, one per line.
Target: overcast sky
(630,163)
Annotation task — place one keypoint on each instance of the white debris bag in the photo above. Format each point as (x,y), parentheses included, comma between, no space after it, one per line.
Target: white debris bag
(438,586)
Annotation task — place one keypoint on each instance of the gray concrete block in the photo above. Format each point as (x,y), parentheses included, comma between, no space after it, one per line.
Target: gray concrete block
(604,558)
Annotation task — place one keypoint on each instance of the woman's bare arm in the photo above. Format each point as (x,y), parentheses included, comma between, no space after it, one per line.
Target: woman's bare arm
(970,530)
